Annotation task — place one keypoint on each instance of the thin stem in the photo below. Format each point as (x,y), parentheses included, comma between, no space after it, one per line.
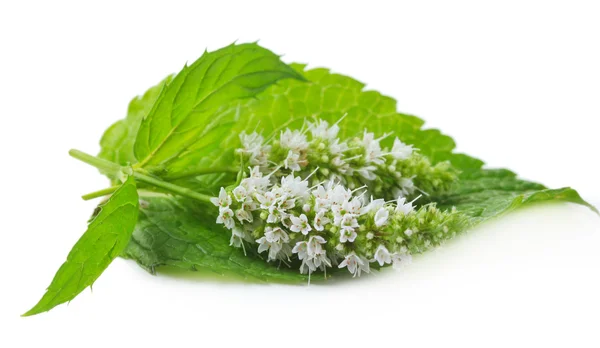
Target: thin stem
(182,191)
(100,193)
(202,171)
(99,163)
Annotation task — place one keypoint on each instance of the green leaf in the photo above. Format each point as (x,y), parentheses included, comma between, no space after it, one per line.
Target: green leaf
(184,111)
(117,142)
(177,232)
(106,237)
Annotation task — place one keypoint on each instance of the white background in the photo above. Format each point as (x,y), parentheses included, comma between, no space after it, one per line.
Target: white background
(515,83)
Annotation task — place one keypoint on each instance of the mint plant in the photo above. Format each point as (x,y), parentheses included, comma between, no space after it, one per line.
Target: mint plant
(245,165)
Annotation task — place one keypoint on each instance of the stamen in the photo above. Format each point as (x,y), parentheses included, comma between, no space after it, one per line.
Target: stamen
(243,247)
(311,174)
(423,192)
(340,120)
(356,189)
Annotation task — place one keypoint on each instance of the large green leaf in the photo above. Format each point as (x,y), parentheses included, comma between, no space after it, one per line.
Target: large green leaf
(184,111)
(106,237)
(177,232)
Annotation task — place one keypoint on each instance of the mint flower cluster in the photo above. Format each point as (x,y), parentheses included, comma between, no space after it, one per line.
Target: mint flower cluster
(358,161)
(298,213)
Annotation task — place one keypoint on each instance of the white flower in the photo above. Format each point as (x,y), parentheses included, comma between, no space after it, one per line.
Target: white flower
(273,241)
(272,247)
(348,221)
(252,146)
(321,260)
(401,259)
(355,264)
(251,143)
(294,186)
(382,255)
(312,254)
(338,194)
(354,206)
(301,248)
(347,234)
(374,205)
(266,200)
(367,172)
(237,234)
(406,187)
(309,264)
(400,150)
(404,207)
(255,172)
(372,148)
(242,215)
(408,232)
(341,165)
(276,235)
(249,205)
(274,216)
(256,181)
(314,246)
(293,140)
(321,220)
(291,162)
(321,130)
(226,217)
(321,198)
(300,224)
(381,217)
(240,193)
(285,203)
(224,200)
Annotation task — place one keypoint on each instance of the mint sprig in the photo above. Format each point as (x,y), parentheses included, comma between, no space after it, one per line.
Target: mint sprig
(177,147)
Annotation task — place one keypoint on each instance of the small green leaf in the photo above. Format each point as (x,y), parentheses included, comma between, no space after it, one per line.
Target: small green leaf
(184,111)
(106,237)
(177,232)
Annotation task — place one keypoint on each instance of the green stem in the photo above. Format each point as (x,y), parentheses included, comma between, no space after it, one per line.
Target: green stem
(202,171)
(182,191)
(102,164)
(116,169)
(100,193)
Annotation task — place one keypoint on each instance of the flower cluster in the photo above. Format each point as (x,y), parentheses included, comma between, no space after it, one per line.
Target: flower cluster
(328,225)
(398,171)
